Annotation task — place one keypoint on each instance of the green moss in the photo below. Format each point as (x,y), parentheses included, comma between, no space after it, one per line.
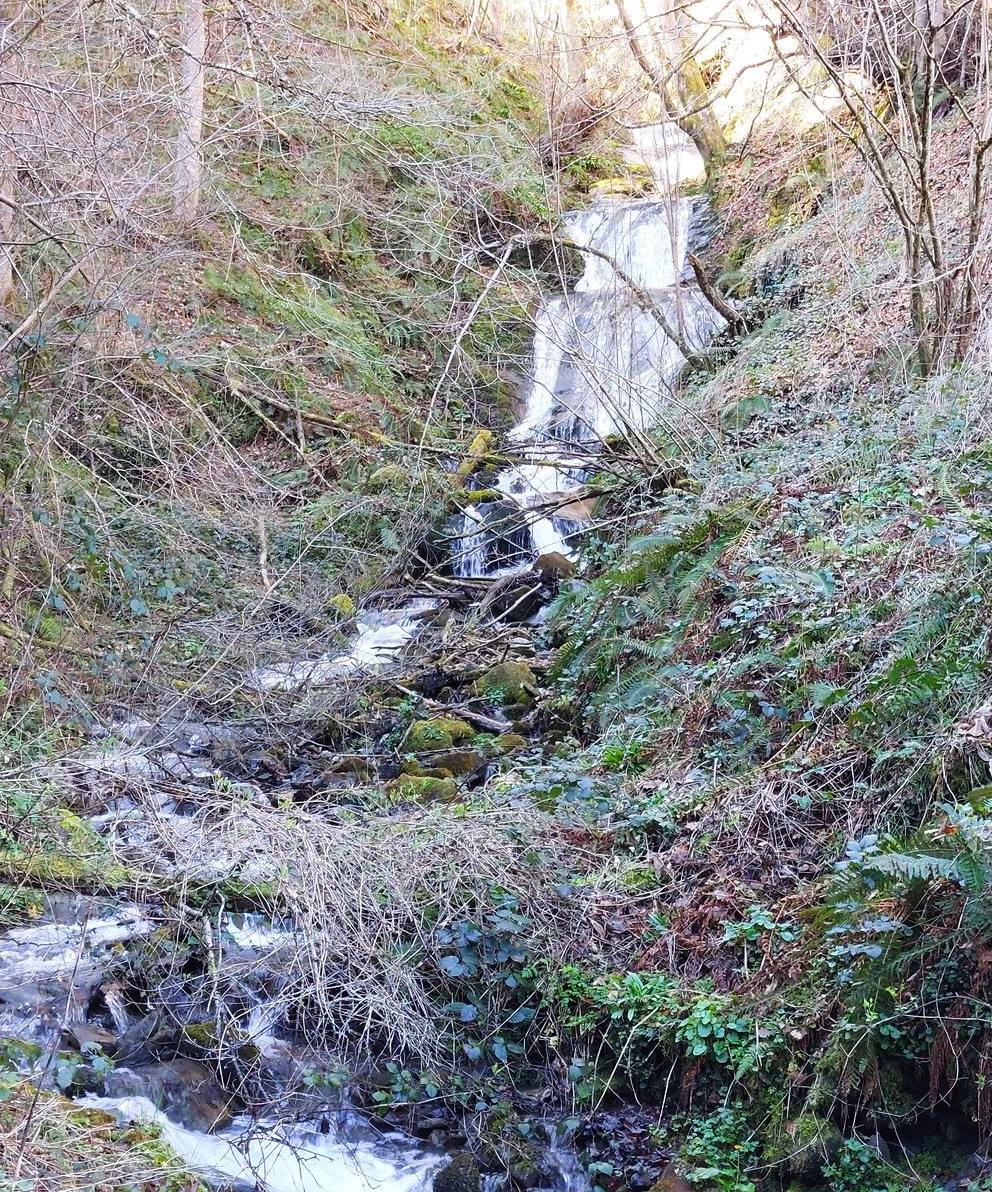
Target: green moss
(341,606)
(422,789)
(805,1145)
(481,446)
(391,477)
(510,743)
(18,903)
(73,855)
(507,683)
(441,732)
(476,496)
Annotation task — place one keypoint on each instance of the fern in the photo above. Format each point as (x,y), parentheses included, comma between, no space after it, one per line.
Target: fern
(911,867)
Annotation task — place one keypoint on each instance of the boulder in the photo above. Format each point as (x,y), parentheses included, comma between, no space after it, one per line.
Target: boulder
(188,1091)
(508,743)
(671,1180)
(461,1175)
(421,789)
(507,683)
(460,761)
(554,565)
(440,732)
(519,602)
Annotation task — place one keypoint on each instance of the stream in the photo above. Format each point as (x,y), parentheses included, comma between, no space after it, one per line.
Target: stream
(601,366)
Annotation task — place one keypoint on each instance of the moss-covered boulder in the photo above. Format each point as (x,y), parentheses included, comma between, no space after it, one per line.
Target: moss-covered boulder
(422,789)
(461,1175)
(440,732)
(391,478)
(622,188)
(341,607)
(508,743)
(805,1145)
(507,683)
(481,446)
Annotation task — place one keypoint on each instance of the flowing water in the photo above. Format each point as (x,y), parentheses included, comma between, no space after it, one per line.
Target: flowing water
(601,365)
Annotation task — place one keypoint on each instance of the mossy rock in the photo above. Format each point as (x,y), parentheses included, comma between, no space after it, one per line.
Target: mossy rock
(461,761)
(416,769)
(418,789)
(200,1039)
(806,1145)
(507,683)
(481,446)
(342,607)
(391,477)
(441,732)
(475,496)
(620,187)
(508,743)
(461,1175)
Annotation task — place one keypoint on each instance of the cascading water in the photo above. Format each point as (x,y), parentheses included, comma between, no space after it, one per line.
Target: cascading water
(602,365)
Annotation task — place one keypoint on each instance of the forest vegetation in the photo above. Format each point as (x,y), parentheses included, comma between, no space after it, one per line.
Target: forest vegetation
(668,851)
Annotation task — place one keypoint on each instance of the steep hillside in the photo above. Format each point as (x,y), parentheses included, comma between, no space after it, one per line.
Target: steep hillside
(663,865)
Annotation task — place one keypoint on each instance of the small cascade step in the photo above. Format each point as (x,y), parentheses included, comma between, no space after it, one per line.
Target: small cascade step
(602,365)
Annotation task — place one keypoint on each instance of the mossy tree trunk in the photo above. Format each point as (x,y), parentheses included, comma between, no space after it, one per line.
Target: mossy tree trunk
(676,79)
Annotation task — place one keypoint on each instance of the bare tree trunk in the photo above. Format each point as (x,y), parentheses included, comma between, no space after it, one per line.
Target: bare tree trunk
(678,84)
(189,135)
(6,233)
(571,47)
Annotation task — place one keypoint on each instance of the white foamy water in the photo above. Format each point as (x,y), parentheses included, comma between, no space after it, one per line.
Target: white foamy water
(270,1158)
(380,638)
(602,364)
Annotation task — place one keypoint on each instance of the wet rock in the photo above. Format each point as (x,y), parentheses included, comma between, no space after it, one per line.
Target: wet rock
(88,1035)
(553,564)
(186,1089)
(411,787)
(460,761)
(201,1039)
(441,732)
(519,602)
(507,683)
(671,1180)
(461,1175)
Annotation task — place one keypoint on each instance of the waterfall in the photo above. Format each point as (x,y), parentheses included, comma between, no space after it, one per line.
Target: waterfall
(601,365)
